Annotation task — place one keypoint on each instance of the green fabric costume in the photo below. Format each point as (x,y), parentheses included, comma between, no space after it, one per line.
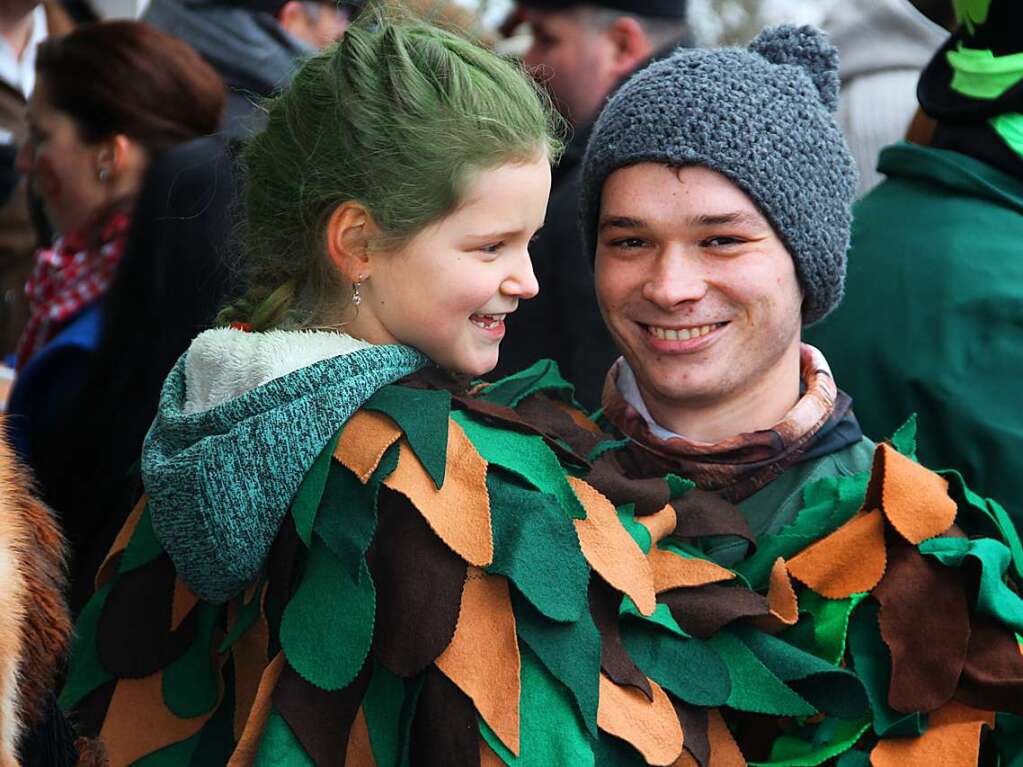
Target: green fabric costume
(932,320)
(474,579)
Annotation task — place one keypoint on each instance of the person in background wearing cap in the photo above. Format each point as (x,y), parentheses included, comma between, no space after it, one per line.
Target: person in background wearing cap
(255,45)
(814,601)
(582,51)
(933,318)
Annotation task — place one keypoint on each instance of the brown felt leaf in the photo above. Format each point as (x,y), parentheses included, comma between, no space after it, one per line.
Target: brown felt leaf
(952,739)
(615,660)
(925,621)
(648,494)
(672,571)
(913,498)
(365,439)
(445,731)
(249,655)
(487,756)
(660,524)
(651,727)
(483,657)
(724,751)
(244,753)
(781,600)
(694,725)
(993,673)
(124,535)
(183,602)
(610,549)
(703,610)
(359,752)
(138,722)
(459,512)
(850,560)
(701,512)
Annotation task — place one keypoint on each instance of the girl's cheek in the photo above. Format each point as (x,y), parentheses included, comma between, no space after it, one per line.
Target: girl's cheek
(47,182)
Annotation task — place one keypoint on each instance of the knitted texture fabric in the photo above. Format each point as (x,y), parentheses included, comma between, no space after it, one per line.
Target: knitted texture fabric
(762,117)
(220,481)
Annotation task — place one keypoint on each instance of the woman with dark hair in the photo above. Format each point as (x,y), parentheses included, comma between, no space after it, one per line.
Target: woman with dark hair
(110,98)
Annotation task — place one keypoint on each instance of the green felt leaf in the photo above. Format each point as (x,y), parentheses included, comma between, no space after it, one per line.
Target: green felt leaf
(525,455)
(830,622)
(173,755)
(994,597)
(989,510)
(828,688)
(827,504)
(347,519)
(85,672)
(413,689)
(216,738)
(873,665)
(605,447)
(639,533)
(570,651)
(382,707)
(1008,739)
(423,415)
(542,375)
(551,731)
(755,687)
(677,486)
(661,616)
(788,751)
(307,499)
(904,438)
(279,747)
(853,759)
(327,626)
(615,752)
(143,547)
(190,682)
(689,668)
(248,612)
(536,547)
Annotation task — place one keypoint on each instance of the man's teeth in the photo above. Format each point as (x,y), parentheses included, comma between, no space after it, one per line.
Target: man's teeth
(487,321)
(669,334)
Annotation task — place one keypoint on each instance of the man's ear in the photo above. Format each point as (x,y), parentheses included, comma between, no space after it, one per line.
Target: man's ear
(350,231)
(631,46)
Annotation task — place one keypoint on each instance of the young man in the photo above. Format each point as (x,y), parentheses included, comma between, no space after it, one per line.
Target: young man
(814,604)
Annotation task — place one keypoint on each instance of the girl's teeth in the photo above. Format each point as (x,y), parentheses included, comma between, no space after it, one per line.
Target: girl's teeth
(487,321)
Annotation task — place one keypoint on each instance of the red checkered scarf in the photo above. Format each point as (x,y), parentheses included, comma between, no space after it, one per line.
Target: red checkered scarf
(72,274)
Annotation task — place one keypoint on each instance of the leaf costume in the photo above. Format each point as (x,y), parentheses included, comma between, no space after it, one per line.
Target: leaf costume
(470,577)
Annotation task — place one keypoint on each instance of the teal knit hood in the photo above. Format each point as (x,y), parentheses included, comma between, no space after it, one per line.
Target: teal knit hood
(241,418)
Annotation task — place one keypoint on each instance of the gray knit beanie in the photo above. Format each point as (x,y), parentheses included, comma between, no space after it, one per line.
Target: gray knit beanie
(761,117)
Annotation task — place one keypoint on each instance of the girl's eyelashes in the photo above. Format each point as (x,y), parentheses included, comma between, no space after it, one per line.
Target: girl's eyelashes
(492,248)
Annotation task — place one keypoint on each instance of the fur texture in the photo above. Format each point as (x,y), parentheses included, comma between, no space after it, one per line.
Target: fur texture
(224,363)
(35,626)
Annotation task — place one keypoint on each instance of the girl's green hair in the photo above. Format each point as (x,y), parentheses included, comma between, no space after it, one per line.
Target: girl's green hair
(396,117)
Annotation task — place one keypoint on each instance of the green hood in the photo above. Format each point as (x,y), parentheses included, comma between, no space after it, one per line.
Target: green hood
(221,479)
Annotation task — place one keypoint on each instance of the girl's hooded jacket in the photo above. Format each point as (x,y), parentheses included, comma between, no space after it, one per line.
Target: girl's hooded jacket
(358,560)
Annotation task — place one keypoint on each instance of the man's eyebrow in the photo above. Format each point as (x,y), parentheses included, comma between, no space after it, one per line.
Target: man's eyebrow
(745,218)
(620,222)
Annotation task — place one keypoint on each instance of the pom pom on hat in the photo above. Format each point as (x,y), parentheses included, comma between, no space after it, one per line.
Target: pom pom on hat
(806,47)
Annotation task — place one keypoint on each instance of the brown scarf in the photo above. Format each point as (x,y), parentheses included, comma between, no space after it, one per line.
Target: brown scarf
(736,467)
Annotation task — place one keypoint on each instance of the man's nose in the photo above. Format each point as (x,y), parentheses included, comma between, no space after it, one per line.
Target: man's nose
(676,278)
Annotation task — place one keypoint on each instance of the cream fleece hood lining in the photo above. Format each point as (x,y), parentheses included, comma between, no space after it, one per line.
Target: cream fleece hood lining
(224,363)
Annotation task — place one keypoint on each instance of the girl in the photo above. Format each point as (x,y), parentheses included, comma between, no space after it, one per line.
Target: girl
(329,565)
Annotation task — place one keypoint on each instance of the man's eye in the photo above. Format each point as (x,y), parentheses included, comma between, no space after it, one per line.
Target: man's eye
(721,242)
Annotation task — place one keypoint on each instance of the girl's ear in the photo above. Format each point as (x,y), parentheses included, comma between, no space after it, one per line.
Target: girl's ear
(349,232)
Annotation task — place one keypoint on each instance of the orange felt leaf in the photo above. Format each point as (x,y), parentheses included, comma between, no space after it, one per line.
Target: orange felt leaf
(121,541)
(724,751)
(483,657)
(138,723)
(182,603)
(952,739)
(781,600)
(365,439)
(685,759)
(249,655)
(850,560)
(914,498)
(459,512)
(579,417)
(661,524)
(359,752)
(244,753)
(651,727)
(672,571)
(487,756)
(610,549)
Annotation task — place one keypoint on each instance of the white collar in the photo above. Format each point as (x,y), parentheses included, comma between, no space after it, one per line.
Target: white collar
(629,389)
(21,74)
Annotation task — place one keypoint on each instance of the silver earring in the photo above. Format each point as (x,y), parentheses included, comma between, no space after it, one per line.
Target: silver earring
(104,175)
(356,297)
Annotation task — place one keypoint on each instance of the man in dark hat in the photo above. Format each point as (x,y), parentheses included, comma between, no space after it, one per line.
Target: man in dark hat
(932,321)
(581,52)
